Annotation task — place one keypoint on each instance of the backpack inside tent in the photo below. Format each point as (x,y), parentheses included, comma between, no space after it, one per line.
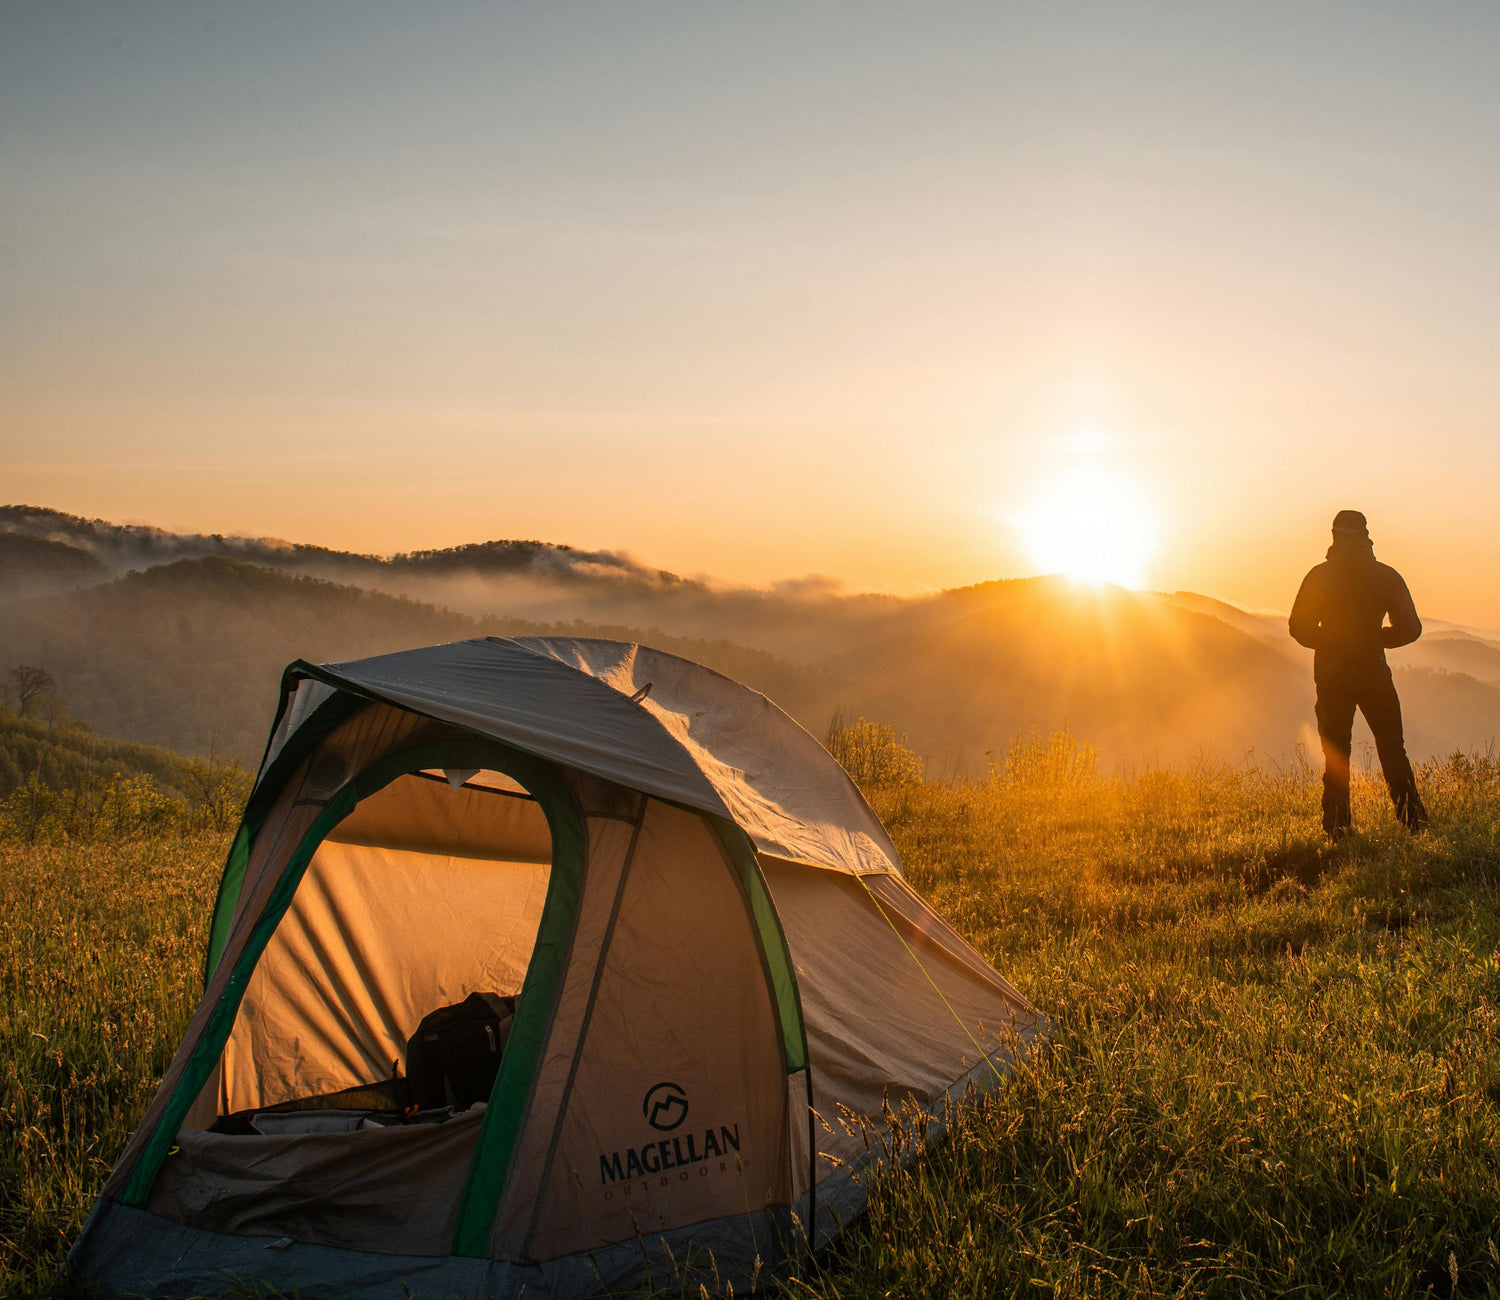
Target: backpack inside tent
(537,965)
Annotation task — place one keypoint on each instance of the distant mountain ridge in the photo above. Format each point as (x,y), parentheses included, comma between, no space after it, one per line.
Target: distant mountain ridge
(129,547)
(1445,647)
(179,641)
(33,566)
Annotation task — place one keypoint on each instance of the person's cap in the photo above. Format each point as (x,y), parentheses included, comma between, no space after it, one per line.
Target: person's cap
(1352,523)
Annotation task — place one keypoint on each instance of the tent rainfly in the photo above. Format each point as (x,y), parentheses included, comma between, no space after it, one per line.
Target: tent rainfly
(701,973)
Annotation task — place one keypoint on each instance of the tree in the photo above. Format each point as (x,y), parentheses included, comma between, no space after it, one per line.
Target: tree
(33,686)
(216,789)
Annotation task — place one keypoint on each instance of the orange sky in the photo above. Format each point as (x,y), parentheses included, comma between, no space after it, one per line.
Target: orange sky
(758,291)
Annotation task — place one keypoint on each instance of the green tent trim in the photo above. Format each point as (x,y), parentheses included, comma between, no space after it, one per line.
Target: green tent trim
(534,1009)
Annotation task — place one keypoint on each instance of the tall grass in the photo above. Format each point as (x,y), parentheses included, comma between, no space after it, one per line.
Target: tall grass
(1274,1065)
(101,950)
(1274,1068)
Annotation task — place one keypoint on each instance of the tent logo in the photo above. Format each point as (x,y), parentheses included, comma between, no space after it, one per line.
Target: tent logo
(665,1107)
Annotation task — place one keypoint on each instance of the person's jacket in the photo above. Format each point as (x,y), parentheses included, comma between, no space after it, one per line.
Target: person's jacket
(1340,614)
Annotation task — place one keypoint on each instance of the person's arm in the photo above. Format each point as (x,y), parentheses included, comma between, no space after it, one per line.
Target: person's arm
(1306,615)
(1405,626)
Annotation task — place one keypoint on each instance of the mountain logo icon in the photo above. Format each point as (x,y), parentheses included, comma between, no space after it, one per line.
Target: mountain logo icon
(665,1107)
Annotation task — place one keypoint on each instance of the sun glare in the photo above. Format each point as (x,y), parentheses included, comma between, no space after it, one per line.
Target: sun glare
(1092,525)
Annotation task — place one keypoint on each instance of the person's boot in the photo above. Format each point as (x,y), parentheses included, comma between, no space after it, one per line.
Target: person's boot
(1409,809)
(1337,822)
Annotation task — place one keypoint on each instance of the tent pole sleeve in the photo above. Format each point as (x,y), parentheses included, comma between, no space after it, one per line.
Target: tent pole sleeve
(228,898)
(783,976)
(588,1014)
(778,957)
(480,1200)
(323,720)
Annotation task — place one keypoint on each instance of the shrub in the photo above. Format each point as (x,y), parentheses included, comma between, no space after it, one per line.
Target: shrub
(1060,759)
(873,755)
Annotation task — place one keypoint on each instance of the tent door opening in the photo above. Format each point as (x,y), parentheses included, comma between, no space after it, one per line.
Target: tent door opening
(387,991)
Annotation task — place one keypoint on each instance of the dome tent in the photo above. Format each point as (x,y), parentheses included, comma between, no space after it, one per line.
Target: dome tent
(717,968)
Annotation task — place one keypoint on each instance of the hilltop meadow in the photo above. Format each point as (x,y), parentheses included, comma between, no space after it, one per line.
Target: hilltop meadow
(1273,1067)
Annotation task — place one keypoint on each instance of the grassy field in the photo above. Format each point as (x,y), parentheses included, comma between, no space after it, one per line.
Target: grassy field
(1275,1067)
(101,958)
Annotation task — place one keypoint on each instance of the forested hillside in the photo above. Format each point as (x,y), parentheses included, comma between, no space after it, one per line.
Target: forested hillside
(189,655)
(187,652)
(34,566)
(71,757)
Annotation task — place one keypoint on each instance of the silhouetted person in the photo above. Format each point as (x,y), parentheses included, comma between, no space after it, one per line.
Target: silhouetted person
(1340,614)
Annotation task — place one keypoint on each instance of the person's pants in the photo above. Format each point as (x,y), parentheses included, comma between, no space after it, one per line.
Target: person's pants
(1382,710)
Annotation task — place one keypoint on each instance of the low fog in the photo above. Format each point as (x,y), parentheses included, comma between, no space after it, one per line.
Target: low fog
(180,639)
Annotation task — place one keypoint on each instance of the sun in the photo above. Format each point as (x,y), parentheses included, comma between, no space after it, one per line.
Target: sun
(1091,524)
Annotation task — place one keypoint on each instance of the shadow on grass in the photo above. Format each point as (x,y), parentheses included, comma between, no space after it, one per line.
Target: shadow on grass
(1303,863)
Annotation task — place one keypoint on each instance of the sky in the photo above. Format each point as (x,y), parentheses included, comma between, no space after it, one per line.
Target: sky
(911,296)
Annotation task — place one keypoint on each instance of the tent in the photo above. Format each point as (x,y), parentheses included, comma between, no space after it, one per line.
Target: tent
(719,978)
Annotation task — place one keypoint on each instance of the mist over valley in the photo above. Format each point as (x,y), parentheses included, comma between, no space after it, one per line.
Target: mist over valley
(179,640)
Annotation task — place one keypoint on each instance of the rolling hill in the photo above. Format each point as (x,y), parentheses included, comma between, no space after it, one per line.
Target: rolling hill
(188,654)
(180,641)
(37,566)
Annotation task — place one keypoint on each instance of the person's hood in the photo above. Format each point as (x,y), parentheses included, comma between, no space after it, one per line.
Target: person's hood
(1352,550)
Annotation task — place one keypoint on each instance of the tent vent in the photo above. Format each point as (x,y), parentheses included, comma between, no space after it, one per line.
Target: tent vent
(457,776)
